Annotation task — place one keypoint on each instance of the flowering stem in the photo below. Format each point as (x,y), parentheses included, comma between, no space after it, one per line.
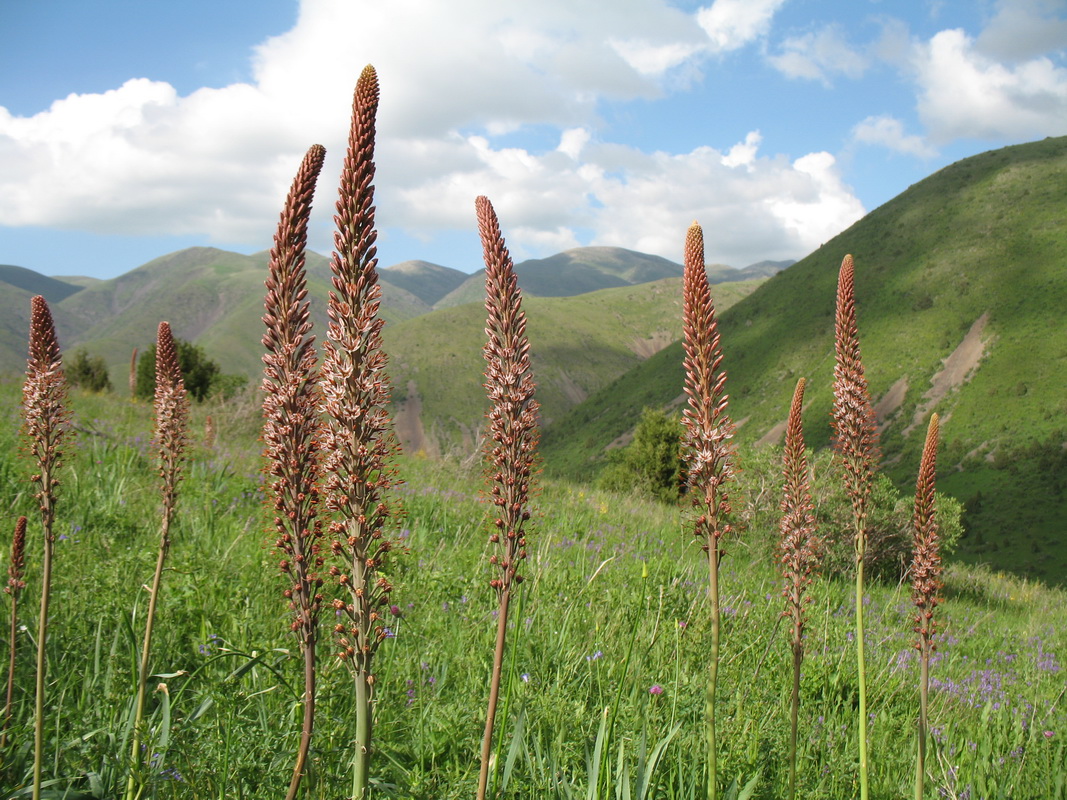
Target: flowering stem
(172,412)
(513,432)
(705,449)
(47,421)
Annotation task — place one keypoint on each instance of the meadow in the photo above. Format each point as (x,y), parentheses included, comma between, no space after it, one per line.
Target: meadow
(605,674)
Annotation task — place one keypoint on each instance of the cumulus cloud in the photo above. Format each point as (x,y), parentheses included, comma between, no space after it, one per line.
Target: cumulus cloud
(142,159)
(731,24)
(965,94)
(889,133)
(819,56)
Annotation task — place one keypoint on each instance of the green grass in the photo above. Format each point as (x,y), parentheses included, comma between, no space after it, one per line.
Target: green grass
(615,604)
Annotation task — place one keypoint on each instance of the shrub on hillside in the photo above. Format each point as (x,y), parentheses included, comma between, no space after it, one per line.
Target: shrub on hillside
(88,372)
(651,463)
(201,375)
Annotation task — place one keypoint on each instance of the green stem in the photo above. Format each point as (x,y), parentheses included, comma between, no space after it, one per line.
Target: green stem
(494,690)
(42,629)
(862,668)
(10,673)
(146,649)
(309,715)
(713,670)
(798,656)
(361,758)
(924,691)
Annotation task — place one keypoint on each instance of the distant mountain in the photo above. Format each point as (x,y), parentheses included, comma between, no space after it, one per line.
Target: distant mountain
(429,282)
(214,298)
(52,289)
(589,269)
(961,287)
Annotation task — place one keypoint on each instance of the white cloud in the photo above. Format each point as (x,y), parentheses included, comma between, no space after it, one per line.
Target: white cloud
(965,94)
(731,24)
(889,132)
(141,159)
(819,56)
(1022,29)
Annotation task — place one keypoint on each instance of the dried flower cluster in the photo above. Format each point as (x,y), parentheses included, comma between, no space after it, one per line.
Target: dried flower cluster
(799,551)
(358,442)
(708,428)
(926,555)
(855,433)
(513,412)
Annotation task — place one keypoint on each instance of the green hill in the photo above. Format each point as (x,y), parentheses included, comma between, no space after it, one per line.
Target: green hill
(578,345)
(961,283)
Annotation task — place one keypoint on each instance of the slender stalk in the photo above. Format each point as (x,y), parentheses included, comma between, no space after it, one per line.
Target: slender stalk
(290,430)
(856,451)
(513,435)
(926,585)
(172,415)
(14,587)
(47,422)
(358,442)
(797,555)
(705,449)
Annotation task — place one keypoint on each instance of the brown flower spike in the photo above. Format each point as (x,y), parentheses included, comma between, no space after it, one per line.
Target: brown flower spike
(856,451)
(855,433)
(171,422)
(47,421)
(925,582)
(798,553)
(706,448)
(291,428)
(513,431)
(358,442)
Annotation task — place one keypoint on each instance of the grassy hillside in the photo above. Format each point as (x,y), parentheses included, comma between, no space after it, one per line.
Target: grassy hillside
(961,281)
(579,344)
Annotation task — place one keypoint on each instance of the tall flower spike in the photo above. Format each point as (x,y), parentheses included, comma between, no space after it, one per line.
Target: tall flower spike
(358,442)
(47,418)
(511,455)
(706,448)
(855,433)
(926,583)
(798,554)
(291,427)
(172,417)
(15,585)
(856,450)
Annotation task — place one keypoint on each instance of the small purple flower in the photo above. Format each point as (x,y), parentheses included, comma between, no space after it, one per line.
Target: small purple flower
(1048,734)
(656,690)
(595,656)
(526,679)
(394,610)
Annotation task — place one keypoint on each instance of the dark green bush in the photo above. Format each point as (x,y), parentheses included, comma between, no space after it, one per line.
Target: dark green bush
(87,372)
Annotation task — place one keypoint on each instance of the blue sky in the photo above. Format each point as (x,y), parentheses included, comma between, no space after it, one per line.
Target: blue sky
(132,129)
